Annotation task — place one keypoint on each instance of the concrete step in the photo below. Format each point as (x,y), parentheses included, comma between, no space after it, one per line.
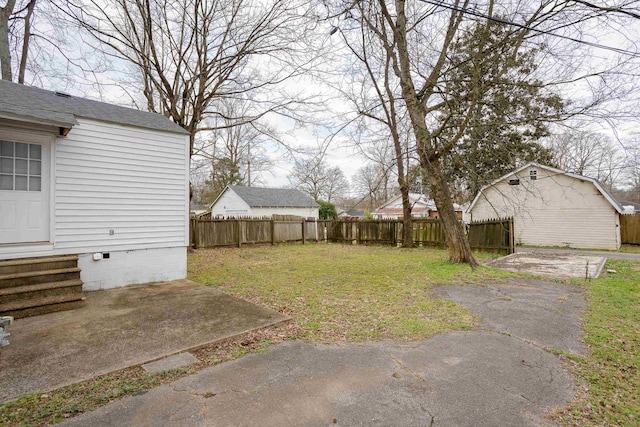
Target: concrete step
(34,264)
(33,307)
(41,290)
(27,278)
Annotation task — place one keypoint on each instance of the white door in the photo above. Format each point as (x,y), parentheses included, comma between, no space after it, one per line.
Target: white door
(24,188)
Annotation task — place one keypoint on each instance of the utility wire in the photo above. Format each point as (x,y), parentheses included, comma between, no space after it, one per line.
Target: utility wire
(608,9)
(525,27)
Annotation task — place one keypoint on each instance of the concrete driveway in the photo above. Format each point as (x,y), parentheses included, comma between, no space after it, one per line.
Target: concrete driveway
(119,328)
(473,378)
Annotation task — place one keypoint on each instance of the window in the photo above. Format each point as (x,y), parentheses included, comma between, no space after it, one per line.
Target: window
(20,166)
(533,174)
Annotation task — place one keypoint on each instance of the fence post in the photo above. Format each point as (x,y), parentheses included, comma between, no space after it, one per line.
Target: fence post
(394,233)
(512,238)
(238,233)
(304,234)
(196,234)
(273,231)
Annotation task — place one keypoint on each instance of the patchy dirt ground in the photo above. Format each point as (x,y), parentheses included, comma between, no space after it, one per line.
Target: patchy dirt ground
(554,265)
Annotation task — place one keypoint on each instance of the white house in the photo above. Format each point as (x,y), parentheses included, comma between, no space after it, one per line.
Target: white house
(106,183)
(552,207)
(422,207)
(236,200)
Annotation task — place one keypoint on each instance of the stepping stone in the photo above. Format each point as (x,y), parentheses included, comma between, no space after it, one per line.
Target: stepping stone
(173,362)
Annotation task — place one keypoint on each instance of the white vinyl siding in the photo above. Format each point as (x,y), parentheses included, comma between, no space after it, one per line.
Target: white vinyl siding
(230,204)
(552,210)
(303,212)
(130,180)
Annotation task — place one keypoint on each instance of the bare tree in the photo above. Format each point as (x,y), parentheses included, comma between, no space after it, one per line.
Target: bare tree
(588,153)
(15,28)
(313,176)
(190,53)
(370,88)
(234,154)
(420,40)
(379,151)
(631,172)
(370,184)
(391,29)
(5,51)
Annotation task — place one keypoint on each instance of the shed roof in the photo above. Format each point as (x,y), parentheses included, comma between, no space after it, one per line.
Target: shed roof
(258,197)
(30,104)
(555,171)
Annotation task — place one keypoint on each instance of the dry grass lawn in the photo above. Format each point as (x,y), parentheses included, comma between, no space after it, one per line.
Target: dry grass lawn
(344,293)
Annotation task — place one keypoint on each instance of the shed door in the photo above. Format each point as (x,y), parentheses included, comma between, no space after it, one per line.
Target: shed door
(24,190)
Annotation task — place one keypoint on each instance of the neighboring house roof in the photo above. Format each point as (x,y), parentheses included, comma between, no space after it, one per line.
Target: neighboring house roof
(30,104)
(419,204)
(625,203)
(353,212)
(556,171)
(257,197)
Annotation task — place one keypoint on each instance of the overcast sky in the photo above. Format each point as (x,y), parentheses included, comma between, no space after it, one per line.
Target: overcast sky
(339,155)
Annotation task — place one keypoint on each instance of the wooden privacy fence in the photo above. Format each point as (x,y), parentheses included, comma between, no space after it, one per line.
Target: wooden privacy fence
(630,229)
(494,235)
(384,231)
(209,233)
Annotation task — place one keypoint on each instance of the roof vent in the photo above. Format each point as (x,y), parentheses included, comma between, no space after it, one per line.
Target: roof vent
(62,94)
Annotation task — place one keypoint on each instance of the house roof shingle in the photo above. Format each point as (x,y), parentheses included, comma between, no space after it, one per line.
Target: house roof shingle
(257,197)
(26,103)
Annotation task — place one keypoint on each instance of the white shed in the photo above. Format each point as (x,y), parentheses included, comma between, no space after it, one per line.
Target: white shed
(552,207)
(105,183)
(236,200)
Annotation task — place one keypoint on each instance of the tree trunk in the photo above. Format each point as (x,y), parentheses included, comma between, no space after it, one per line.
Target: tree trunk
(407,223)
(25,41)
(407,226)
(457,242)
(5,51)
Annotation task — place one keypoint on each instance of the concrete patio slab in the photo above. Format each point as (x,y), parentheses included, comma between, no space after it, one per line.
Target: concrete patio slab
(558,251)
(567,266)
(119,328)
(470,378)
(473,378)
(546,313)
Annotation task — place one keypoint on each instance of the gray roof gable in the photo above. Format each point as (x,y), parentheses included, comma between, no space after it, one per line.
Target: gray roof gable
(31,104)
(257,197)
